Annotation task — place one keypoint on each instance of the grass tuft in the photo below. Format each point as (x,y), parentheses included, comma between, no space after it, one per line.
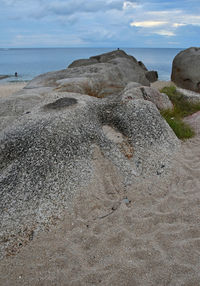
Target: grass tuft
(180,128)
(182,108)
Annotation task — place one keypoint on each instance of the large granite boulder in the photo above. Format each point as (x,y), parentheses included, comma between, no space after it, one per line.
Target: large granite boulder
(52,140)
(186,69)
(141,73)
(98,76)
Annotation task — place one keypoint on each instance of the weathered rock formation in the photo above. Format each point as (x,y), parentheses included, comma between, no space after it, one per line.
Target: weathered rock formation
(56,130)
(186,69)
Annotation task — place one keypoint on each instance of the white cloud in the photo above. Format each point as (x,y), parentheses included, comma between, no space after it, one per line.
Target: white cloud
(165,33)
(131,5)
(191,20)
(169,20)
(148,24)
(165,13)
(99,22)
(176,17)
(176,25)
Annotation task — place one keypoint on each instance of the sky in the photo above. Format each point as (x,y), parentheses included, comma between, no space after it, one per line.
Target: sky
(99,23)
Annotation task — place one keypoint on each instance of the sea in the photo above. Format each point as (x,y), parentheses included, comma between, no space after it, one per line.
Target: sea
(30,62)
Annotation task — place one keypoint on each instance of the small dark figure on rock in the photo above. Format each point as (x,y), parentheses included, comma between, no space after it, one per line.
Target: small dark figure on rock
(16,74)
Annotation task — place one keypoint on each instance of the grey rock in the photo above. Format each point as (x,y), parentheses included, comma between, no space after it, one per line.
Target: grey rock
(152,76)
(161,100)
(112,72)
(131,85)
(107,57)
(142,65)
(186,69)
(191,96)
(19,103)
(51,141)
(83,62)
(46,156)
(61,103)
(15,106)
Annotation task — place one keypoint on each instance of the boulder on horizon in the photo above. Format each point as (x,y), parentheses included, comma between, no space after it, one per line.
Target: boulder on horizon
(186,69)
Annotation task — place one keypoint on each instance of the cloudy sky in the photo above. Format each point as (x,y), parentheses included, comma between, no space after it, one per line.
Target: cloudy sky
(99,23)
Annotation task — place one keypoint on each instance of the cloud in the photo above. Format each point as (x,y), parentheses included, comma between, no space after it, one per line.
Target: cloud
(176,25)
(131,5)
(165,33)
(176,17)
(171,20)
(63,7)
(148,24)
(165,13)
(82,6)
(42,8)
(99,22)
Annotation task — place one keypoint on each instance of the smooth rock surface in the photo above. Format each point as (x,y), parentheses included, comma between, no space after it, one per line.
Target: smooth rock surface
(186,69)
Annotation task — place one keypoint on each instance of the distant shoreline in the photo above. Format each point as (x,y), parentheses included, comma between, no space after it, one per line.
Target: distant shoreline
(4,76)
(29,63)
(5,82)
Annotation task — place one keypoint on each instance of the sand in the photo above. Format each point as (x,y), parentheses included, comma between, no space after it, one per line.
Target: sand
(161,83)
(7,89)
(148,234)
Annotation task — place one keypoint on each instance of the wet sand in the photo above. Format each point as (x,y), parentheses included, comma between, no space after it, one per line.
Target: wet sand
(146,235)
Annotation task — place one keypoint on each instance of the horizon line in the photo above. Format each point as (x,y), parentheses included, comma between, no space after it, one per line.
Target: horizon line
(10,48)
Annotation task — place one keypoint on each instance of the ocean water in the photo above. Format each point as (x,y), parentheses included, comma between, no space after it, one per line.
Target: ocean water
(29,63)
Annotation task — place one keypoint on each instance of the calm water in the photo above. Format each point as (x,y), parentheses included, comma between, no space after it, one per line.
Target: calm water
(29,63)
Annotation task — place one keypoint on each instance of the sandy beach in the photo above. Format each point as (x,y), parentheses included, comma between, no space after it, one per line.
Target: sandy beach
(7,89)
(148,234)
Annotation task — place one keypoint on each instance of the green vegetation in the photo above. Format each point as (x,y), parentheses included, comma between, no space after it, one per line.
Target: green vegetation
(182,108)
(180,128)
